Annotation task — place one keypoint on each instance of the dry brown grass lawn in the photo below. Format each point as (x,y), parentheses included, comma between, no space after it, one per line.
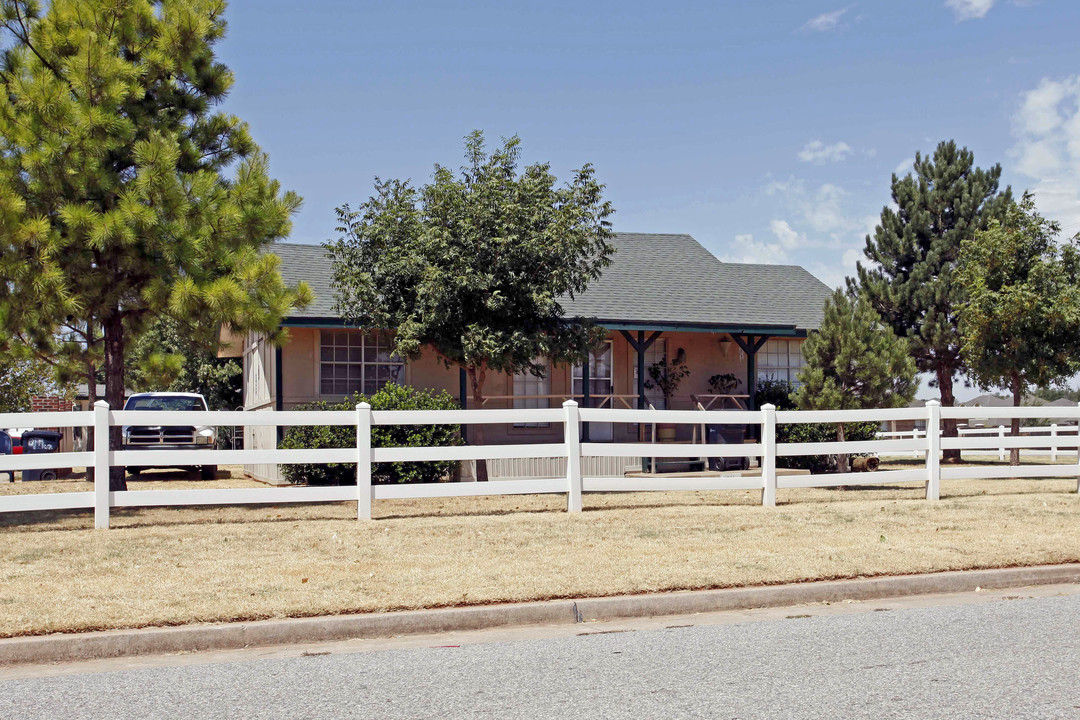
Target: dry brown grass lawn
(165,566)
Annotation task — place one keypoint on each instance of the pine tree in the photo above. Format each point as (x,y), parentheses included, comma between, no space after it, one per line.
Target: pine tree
(1020,324)
(854,361)
(910,277)
(115,205)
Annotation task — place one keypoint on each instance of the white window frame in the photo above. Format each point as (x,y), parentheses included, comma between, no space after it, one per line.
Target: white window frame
(367,356)
(781,359)
(525,383)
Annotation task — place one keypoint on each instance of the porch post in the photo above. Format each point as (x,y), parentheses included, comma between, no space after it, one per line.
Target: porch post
(750,346)
(751,380)
(586,393)
(463,399)
(640,347)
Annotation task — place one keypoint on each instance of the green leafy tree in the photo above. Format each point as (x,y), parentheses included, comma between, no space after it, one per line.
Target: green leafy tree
(473,265)
(22,379)
(854,361)
(168,358)
(910,275)
(1056,392)
(124,194)
(1020,323)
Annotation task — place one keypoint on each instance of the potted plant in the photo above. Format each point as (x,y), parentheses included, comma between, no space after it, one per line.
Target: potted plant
(723,384)
(667,376)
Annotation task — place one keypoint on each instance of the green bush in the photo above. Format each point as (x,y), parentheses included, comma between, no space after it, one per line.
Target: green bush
(391,397)
(780,394)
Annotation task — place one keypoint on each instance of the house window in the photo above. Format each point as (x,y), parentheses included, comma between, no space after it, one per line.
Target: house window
(780,360)
(528,392)
(657,352)
(351,361)
(600,376)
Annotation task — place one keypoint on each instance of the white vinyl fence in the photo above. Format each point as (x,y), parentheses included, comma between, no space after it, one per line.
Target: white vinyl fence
(1053,451)
(572,484)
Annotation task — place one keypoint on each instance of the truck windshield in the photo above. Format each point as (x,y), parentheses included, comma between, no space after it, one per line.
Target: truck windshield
(165,403)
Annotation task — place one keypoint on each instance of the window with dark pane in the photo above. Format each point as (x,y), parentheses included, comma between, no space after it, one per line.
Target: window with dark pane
(352,361)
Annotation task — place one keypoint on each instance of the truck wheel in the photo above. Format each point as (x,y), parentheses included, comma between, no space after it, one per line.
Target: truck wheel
(48,474)
(209,472)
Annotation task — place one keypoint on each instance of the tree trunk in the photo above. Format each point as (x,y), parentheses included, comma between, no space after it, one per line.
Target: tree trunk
(1017,393)
(841,458)
(114,388)
(91,395)
(476,380)
(945,386)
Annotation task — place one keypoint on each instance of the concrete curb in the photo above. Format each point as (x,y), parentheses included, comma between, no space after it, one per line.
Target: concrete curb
(230,636)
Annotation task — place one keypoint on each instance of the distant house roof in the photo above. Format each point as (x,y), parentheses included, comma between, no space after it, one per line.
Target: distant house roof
(988,400)
(655,281)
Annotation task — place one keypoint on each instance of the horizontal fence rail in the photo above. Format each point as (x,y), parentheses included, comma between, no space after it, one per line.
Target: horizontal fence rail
(1060,438)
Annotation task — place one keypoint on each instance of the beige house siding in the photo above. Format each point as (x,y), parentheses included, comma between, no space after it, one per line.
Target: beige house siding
(259,394)
(707,354)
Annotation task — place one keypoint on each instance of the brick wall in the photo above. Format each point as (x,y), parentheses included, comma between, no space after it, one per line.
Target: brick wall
(50,403)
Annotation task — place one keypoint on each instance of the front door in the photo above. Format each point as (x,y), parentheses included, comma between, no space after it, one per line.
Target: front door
(601,386)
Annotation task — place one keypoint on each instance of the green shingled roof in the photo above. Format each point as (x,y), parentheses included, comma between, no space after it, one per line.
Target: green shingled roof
(655,280)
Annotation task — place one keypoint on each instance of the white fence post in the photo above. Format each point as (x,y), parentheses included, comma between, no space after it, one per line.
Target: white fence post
(1001,450)
(768,455)
(101,465)
(363,461)
(1053,447)
(572,435)
(933,450)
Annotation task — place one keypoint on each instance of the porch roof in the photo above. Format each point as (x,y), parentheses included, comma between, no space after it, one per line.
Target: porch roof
(655,282)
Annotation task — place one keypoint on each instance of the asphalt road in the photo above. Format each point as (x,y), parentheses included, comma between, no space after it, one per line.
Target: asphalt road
(1010,658)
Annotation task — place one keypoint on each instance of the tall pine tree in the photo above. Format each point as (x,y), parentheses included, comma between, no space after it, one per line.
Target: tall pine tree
(124,195)
(910,277)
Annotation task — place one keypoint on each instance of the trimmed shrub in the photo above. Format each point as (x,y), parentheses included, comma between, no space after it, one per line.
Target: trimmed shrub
(780,393)
(391,397)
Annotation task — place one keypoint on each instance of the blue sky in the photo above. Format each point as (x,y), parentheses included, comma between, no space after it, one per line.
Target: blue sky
(768,130)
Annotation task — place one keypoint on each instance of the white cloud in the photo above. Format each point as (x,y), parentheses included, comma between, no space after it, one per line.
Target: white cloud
(819,153)
(1047,128)
(786,235)
(969,9)
(826,21)
(825,210)
(835,274)
(748,250)
(905,167)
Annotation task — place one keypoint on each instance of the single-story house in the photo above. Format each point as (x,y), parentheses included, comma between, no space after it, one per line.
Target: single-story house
(663,296)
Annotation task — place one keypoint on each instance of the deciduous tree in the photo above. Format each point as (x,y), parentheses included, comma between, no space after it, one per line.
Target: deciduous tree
(474,264)
(1020,324)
